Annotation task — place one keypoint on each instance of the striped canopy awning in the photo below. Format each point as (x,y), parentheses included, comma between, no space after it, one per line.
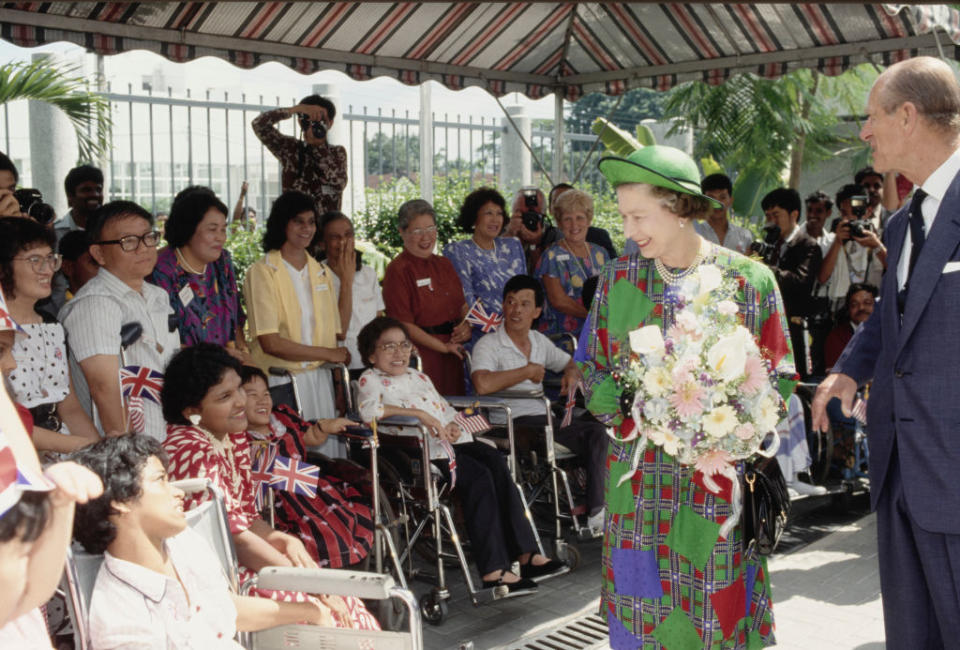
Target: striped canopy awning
(530,47)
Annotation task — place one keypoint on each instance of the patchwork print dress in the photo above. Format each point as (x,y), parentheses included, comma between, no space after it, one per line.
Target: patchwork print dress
(668,579)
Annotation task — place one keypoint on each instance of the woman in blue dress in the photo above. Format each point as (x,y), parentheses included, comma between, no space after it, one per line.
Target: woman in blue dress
(485,261)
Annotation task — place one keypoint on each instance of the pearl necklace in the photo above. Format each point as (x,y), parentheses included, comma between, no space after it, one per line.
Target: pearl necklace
(186,265)
(671,277)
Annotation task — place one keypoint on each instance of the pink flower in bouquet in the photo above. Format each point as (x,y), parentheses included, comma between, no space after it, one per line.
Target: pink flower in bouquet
(755,373)
(745,431)
(686,399)
(712,463)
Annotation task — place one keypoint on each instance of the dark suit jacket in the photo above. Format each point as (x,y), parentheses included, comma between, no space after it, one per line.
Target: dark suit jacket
(796,273)
(915,368)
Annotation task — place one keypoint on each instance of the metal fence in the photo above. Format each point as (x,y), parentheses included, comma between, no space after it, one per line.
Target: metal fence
(162,143)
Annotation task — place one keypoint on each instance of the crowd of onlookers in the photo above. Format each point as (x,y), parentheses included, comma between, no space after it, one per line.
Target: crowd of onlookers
(135,353)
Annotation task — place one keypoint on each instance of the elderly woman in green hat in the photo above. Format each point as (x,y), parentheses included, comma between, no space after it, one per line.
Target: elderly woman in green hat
(670,578)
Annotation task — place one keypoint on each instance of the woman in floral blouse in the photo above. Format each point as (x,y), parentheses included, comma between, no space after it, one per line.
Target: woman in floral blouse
(564,267)
(493,510)
(197,273)
(205,407)
(485,261)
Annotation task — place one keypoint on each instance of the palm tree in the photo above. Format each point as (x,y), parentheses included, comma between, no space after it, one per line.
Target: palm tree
(761,128)
(88,112)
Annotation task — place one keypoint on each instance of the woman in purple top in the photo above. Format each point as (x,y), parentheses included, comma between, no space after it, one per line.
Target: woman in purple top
(485,261)
(196,272)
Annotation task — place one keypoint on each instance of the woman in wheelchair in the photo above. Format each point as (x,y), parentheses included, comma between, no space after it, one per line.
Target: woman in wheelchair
(161,584)
(336,523)
(494,513)
(205,409)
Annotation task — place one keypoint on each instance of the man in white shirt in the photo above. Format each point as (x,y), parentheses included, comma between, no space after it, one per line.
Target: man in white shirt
(515,357)
(717,228)
(160,584)
(124,244)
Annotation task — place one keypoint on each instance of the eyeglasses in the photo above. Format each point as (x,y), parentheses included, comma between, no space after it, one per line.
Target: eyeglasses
(420,232)
(38,262)
(131,243)
(392,347)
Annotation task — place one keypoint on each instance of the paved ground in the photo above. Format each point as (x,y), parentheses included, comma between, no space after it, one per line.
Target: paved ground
(826,594)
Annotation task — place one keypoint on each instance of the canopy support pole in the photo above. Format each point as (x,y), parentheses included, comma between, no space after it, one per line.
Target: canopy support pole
(558,128)
(526,144)
(426,142)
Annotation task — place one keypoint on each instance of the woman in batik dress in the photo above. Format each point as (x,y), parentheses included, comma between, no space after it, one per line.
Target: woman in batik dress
(668,579)
(204,405)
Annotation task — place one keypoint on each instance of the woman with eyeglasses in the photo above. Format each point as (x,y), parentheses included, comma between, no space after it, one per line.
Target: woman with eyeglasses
(292,305)
(123,241)
(41,379)
(197,273)
(422,291)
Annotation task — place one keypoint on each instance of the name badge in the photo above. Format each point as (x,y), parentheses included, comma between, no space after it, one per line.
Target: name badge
(323,287)
(563,258)
(186,295)
(423,282)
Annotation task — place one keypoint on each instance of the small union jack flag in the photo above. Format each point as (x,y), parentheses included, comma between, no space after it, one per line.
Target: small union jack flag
(261,471)
(571,403)
(6,320)
(294,476)
(139,381)
(479,316)
(471,420)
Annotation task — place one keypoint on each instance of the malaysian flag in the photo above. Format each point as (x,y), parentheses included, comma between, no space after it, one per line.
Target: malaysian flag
(471,420)
(14,482)
(292,475)
(478,316)
(859,411)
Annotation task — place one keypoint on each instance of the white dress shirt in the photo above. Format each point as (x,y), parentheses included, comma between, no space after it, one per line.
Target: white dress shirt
(367,301)
(135,608)
(936,187)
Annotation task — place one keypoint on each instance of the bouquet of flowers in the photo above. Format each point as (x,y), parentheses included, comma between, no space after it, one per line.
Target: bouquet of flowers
(704,392)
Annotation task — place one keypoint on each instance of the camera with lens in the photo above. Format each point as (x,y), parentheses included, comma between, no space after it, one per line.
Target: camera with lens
(318,128)
(767,247)
(859,227)
(530,217)
(32,205)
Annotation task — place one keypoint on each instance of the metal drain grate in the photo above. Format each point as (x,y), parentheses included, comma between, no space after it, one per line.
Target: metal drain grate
(580,634)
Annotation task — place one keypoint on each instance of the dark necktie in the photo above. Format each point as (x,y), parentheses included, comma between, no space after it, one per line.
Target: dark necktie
(917,238)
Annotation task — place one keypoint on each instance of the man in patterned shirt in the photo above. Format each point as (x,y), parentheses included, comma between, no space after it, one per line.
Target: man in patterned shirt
(310,163)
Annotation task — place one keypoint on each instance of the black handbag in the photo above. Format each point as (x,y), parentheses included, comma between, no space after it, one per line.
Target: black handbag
(766,505)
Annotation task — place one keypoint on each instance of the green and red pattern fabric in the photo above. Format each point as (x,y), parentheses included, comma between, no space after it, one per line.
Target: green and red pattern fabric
(668,580)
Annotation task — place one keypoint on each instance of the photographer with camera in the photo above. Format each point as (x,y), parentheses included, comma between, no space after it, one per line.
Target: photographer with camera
(856,254)
(310,164)
(872,183)
(795,260)
(529,225)
(9,206)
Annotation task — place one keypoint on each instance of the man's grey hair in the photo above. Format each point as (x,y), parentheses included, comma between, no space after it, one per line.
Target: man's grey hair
(412,209)
(930,85)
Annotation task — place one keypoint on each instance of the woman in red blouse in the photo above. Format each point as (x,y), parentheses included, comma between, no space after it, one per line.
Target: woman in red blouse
(204,405)
(422,290)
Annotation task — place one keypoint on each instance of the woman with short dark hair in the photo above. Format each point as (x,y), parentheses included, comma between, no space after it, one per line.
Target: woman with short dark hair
(41,380)
(197,273)
(486,260)
(205,405)
(292,304)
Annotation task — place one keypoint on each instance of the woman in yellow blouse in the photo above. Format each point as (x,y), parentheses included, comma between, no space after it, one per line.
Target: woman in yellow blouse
(284,333)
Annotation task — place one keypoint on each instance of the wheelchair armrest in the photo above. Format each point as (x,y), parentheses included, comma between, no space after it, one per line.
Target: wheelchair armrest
(399,421)
(339,582)
(462,402)
(536,393)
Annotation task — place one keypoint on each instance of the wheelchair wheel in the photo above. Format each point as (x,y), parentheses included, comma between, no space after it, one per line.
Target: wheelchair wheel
(570,555)
(433,608)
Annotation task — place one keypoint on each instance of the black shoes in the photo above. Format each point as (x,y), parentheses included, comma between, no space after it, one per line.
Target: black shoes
(521,587)
(532,572)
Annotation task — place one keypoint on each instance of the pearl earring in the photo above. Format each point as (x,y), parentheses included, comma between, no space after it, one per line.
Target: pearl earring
(683,222)
(194,419)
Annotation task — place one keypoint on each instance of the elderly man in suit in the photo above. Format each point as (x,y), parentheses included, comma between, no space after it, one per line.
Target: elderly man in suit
(909,349)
